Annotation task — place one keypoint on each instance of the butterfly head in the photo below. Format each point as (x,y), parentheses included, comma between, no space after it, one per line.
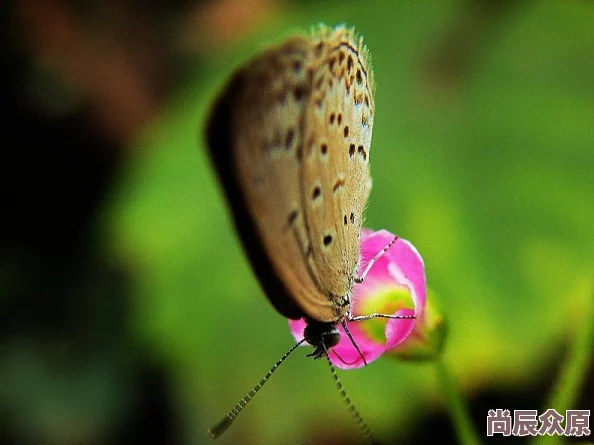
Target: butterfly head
(321,336)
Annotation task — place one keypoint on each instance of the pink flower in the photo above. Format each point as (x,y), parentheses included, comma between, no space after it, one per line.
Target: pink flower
(395,285)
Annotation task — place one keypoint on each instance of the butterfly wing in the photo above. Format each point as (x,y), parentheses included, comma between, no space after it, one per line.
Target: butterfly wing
(336,179)
(255,137)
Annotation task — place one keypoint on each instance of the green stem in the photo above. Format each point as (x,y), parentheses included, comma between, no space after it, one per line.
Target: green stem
(574,371)
(456,405)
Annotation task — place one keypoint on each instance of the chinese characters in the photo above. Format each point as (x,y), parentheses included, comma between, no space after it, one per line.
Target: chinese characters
(529,423)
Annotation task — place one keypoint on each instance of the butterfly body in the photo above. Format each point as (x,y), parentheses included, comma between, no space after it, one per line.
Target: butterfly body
(290,140)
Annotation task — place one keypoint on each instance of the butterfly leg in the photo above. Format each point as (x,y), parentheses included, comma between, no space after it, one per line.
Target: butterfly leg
(349,316)
(361,278)
(372,261)
(354,343)
(375,315)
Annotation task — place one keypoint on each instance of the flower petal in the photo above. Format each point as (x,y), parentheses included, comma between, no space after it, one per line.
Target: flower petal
(396,276)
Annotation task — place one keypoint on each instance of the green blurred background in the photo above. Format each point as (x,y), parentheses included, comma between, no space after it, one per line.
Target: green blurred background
(128,311)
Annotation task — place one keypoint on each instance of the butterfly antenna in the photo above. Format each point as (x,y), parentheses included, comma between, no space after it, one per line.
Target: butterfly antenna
(223,424)
(358,419)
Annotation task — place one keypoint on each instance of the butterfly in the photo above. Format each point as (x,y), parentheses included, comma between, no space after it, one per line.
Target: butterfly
(290,139)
